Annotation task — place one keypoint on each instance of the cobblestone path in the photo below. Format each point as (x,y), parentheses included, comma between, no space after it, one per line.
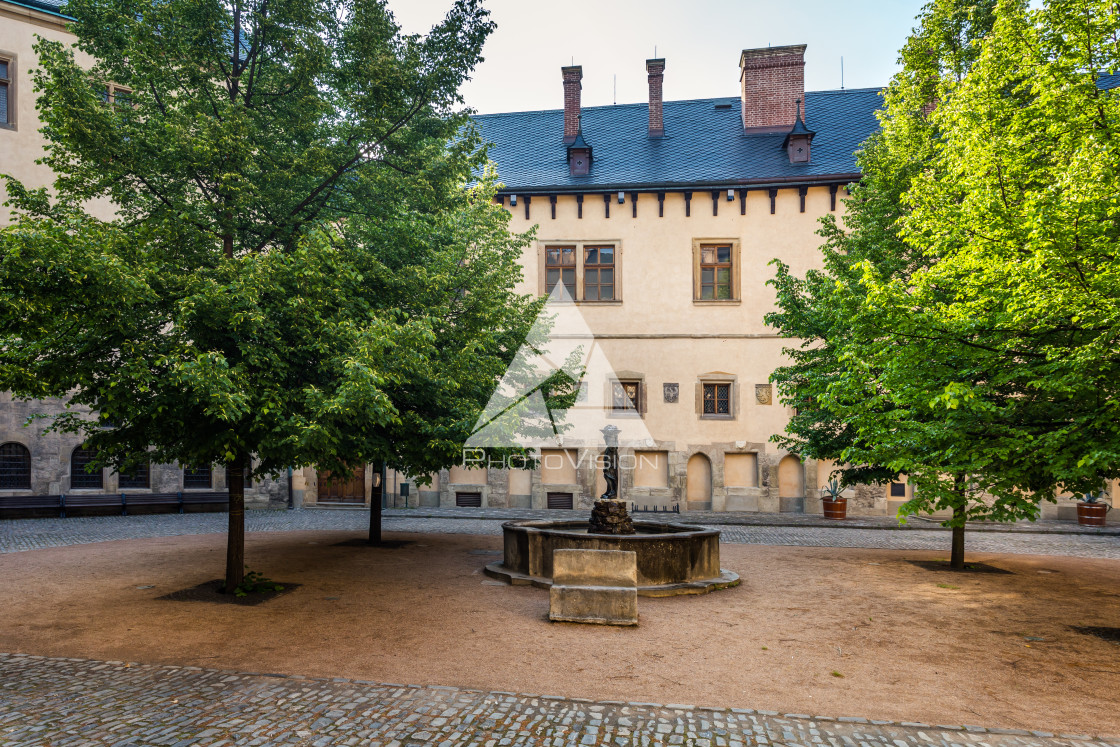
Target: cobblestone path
(73,702)
(30,534)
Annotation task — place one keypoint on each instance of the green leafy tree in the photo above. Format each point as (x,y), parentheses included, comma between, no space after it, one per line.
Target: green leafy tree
(851,378)
(1022,212)
(971,300)
(295,270)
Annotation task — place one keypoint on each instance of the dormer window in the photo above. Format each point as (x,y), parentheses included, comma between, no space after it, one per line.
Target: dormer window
(579,156)
(797,142)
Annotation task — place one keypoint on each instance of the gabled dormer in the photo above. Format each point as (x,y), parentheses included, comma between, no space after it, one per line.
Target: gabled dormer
(798,140)
(579,156)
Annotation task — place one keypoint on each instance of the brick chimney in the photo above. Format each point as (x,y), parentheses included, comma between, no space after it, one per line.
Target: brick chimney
(656,70)
(773,80)
(572,77)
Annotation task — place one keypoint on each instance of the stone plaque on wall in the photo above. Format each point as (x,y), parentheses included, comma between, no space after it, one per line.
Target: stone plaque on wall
(763,393)
(672,392)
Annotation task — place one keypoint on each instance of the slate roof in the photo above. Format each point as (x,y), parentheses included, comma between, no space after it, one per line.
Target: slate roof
(54,7)
(704,145)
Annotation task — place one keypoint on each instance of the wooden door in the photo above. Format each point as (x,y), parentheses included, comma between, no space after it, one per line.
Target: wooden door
(349,489)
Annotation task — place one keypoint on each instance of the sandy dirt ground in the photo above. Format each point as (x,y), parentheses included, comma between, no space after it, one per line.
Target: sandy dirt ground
(910,644)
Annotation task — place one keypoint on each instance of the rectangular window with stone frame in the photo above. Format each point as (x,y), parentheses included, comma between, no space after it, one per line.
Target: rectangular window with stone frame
(717,400)
(626,398)
(560,267)
(589,270)
(716,271)
(598,273)
(7,97)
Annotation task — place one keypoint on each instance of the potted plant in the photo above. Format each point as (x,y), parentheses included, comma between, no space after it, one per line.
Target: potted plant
(835,505)
(1092,508)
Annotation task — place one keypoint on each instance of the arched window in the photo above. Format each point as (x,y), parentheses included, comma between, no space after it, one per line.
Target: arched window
(79,478)
(138,478)
(15,467)
(197,477)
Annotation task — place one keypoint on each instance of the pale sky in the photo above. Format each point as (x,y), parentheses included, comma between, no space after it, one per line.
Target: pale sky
(700,41)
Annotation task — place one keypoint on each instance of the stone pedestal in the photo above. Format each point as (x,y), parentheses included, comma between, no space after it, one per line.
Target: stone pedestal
(610,517)
(594,586)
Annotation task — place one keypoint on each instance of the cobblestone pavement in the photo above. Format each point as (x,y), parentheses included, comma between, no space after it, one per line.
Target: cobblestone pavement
(30,534)
(45,701)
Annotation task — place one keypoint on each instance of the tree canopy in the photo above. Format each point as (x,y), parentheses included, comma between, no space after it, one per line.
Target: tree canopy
(944,339)
(297,268)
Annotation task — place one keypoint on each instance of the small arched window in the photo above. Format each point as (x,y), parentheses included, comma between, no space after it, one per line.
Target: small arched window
(137,478)
(15,467)
(79,477)
(197,477)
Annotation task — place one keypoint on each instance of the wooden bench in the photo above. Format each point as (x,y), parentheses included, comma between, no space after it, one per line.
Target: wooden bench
(204,498)
(179,499)
(122,501)
(92,500)
(23,502)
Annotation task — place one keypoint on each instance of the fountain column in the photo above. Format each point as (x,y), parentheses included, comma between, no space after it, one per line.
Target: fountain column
(609,516)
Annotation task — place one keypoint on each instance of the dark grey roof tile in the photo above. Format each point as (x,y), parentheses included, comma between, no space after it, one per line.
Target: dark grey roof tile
(703,143)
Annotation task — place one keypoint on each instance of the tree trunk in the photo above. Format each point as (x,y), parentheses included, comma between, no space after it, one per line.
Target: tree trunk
(235,537)
(375,508)
(956,560)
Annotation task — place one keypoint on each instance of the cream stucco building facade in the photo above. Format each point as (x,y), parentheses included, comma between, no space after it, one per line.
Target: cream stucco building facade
(690,201)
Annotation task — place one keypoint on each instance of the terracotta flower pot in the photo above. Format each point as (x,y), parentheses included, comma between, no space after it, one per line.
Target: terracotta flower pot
(835,509)
(1091,514)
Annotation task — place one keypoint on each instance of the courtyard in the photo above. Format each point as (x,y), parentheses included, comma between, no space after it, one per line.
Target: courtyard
(832,630)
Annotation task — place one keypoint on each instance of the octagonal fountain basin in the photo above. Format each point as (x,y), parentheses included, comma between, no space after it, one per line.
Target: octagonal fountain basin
(672,558)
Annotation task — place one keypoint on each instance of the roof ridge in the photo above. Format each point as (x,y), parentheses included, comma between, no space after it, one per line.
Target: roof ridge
(703,100)
(829,91)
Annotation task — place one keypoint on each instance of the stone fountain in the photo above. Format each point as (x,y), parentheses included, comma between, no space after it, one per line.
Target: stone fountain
(672,559)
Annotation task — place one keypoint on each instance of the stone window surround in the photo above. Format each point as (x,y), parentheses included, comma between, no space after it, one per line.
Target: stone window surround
(69,474)
(30,488)
(13,90)
(640,405)
(579,244)
(736,271)
(183,475)
(717,377)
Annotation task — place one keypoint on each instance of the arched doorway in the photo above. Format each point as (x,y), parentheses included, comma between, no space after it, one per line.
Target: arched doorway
(791,478)
(698,483)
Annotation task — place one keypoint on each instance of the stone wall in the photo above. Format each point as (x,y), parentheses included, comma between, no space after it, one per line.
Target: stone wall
(24,422)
